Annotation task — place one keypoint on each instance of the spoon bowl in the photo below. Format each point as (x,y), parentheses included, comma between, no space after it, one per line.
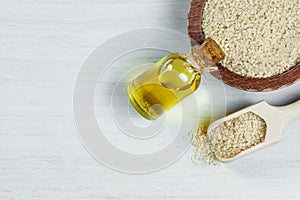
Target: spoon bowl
(274,117)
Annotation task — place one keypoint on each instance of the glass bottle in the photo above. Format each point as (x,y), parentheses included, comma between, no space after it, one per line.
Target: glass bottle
(173,78)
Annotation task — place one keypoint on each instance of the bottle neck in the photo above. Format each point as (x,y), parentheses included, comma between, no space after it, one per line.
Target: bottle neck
(205,57)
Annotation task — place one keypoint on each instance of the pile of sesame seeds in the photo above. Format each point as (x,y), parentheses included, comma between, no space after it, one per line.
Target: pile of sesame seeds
(239,134)
(261,38)
(229,138)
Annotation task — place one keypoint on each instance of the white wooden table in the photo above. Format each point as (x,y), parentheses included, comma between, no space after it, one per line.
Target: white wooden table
(42,47)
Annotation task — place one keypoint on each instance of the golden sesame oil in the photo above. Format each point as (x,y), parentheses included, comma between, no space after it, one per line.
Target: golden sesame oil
(173,78)
(163,86)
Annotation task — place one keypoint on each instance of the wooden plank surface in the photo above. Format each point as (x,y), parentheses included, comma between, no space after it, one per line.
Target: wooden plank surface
(42,47)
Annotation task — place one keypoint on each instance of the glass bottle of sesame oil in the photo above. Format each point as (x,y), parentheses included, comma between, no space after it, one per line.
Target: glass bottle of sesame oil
(173,78)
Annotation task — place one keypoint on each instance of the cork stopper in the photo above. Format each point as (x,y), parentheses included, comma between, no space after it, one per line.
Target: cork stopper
(207,55)
(213,50)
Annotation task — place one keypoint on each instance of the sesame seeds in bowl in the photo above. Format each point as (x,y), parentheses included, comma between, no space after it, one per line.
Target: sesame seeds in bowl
(260,38)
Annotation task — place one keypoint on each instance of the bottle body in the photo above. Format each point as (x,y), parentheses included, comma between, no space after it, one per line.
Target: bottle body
(172,79)
(161,87)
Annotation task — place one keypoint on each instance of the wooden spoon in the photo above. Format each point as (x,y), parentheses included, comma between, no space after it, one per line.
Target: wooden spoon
(197,36)
(275,118)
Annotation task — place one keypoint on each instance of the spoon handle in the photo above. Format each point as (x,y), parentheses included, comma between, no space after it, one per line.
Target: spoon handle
(291,111)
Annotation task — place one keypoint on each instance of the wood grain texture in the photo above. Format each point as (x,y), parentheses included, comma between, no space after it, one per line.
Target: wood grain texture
(244,83)
(42,47)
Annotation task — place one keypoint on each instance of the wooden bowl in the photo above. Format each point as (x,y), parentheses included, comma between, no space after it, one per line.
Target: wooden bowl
(241,82)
